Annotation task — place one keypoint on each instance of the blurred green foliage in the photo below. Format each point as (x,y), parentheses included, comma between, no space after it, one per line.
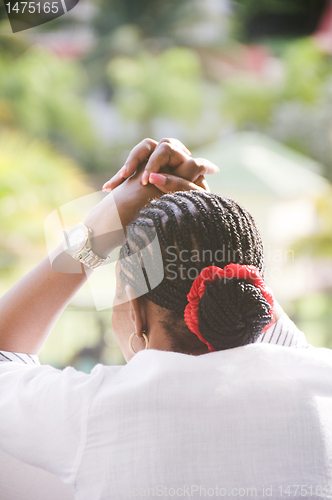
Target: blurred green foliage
(252,100)
(306,71)
(34,180)
(81,338)
(248,102)
(165,85)
(319,244)
(155,18)
(294,108)
(252,7)
(277,18)
(42,117)
(313,315)
(40,94)
(144,71)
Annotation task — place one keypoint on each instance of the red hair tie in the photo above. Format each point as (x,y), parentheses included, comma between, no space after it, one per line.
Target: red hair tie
(213,273)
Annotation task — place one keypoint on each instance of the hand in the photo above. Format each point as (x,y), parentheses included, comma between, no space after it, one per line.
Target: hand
(139,181)
(169,155)
(125,201)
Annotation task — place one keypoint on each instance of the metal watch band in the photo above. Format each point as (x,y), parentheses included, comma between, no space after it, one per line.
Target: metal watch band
(86,255)
(90,259)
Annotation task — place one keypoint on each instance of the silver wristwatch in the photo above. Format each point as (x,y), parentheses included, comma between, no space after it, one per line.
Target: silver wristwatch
(77,244)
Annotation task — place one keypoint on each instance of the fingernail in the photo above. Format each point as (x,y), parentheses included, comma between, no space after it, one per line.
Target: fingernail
(106,189)
(123,171)
(158,179)
(217,169)
(105,186)
(145,178)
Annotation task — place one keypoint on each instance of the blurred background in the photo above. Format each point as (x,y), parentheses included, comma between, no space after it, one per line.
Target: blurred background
(246,84)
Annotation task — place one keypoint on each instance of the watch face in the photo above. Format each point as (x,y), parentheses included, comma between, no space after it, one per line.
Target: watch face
(76,239)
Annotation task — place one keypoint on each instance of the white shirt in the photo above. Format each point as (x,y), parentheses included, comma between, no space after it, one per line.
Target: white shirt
(256,418)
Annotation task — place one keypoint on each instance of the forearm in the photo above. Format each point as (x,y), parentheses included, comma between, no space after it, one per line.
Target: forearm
(29,310)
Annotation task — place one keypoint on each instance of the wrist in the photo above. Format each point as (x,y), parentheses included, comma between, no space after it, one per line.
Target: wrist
(118,209)
(132,198)
(105,225)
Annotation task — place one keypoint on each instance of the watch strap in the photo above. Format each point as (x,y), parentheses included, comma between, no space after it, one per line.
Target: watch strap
(86,255)
(90,259)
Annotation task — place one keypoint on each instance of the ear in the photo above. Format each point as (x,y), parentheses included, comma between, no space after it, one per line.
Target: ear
(137,310)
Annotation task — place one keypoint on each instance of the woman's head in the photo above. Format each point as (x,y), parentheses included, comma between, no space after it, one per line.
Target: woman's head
(196,230)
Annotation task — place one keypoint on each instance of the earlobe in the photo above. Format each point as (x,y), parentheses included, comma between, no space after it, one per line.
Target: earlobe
(137,311)
(131,340)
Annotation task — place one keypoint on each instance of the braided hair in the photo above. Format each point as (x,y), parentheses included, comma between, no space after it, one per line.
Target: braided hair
(195,230)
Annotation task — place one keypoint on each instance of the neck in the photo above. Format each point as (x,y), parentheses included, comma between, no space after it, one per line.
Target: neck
(167,332)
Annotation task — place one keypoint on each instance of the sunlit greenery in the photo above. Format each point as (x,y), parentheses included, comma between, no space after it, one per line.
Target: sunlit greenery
(294,107)
(319,244)
(252,100)
(306,71)
(246,101)
(34,180)
(151,86)
(313,315)
(40,95)
(139,71)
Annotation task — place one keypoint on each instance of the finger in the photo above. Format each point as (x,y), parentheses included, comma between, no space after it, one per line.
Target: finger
(193,168)
(166,154)
(114,182)
(201,181)
(117,179)
(137,155)
(177,144)
(168,183)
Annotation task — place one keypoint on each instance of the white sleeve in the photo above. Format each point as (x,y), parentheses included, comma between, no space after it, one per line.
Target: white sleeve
(43,415)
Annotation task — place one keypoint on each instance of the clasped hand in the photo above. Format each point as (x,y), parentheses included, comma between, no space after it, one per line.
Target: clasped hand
(179,171)
(151,170)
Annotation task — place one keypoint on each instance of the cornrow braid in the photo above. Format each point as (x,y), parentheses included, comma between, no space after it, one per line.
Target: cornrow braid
(195,230)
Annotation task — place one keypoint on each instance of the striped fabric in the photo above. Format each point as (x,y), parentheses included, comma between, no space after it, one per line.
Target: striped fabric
(26,359)
(285,333)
